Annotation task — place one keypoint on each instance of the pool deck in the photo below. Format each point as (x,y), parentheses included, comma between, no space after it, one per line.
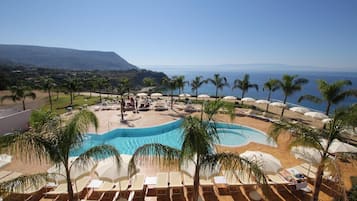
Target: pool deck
(110,119)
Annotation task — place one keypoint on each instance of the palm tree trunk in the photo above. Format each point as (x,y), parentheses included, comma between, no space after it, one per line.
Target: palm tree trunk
(216,92)
(69,186)
(242,94)
(172,98)
(268,99)
(283,109)
(50,98)
(100,97)
(328,108)
(196,183)
(122,104)
(71,94)
(196,94)
(23,104)
(318,182)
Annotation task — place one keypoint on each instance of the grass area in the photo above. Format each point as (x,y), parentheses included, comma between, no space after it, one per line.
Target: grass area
(64,101)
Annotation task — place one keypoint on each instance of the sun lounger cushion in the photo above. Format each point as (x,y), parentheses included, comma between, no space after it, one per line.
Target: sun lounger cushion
(138,183)
(175,179)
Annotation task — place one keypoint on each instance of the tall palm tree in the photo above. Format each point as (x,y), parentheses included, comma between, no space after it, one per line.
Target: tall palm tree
(47,84)
(313,138)
(125,85)
(180,81)
(54,142)
(199,138)
(71,85)
(20,93)
(219,82)
(271,85)
(122,88)
(170,84)
(290,84)
(197,83)
(331,93)
(101,83)
(244,84)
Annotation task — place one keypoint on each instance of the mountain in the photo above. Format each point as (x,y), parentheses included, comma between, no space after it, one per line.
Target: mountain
(62,58)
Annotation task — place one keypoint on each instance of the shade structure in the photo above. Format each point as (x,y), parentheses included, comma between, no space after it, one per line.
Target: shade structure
(77,170)
(203,96)
(109,169)
(308,154)
(339,147)
(301,110)
(156,95)
(141,94)
(262,101)
(267,162)
(128,94)
(185,95)
(248,99)
(278,104)
(189,167)
(326,121)
(316,115)
(229,98)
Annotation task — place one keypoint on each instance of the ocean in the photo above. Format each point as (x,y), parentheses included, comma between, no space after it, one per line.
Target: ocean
(261,77)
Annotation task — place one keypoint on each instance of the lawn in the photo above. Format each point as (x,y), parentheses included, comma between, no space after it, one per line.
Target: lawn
(63,101)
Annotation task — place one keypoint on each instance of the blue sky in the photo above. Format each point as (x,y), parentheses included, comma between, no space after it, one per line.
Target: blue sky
(150,32)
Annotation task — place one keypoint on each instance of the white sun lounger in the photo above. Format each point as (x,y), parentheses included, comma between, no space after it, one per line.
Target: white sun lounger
(162,185)
(176,186)
(137,187)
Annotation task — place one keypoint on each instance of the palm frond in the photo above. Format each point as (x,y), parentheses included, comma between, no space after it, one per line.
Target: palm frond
(20,184)
(162,153)
(96,153)
(311,98)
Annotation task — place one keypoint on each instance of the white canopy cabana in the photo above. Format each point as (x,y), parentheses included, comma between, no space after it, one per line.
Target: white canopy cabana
(301,110)
(156,95)
(316,115)
(229,98)
(248,99)
(278,104)
(185,95)
(203,96)
(261,101)
(141,94)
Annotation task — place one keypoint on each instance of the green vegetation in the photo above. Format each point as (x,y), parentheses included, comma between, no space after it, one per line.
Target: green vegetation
(63,102)
(219,82)
(52,140)
(331,93)
(20,93)
(199,137)
(244,85)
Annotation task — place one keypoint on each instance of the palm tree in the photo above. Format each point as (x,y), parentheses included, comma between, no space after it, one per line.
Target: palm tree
(170,84)
(71,85)
(197,83)
(313,138)
(149,82)
(331,93)
(180,81)
(101,83)
(271,85)
(54,141)
(244,85)
(19,93)
(198,146)
(219,82)
(122,88)
(290,84)
(125,85)
(47,84)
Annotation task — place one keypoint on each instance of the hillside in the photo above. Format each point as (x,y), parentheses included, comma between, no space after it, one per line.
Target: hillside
(62,58)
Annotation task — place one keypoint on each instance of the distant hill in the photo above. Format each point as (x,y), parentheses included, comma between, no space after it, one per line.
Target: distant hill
(62,58)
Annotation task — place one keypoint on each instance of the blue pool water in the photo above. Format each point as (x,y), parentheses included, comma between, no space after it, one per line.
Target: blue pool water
(129,139)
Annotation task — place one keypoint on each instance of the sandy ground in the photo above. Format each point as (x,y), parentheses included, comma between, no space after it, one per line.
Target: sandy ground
(110,120)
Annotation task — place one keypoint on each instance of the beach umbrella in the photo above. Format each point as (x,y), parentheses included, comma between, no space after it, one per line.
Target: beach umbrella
(229,98)
(326,121)
(203,96)
(278,104)
(185,95)
(156,95)
(267,162)
(308,154)
(126,94)
(316,115)
(108,168)
(301,110)
(77,170)
(141,94)
(248,99)
(339,147)
(262,101)
(189,166)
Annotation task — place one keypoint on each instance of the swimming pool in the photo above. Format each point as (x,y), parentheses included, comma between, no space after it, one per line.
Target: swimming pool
(127,140)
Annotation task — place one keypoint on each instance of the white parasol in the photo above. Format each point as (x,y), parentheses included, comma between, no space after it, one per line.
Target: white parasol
(301,110)
(316,115)
(267,162)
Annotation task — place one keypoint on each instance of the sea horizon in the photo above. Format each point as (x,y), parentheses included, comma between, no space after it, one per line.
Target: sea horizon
(260,77)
